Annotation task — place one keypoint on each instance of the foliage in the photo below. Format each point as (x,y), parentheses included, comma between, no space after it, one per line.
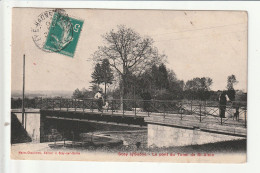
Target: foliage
(157,81)
(139,68)
(128,53)
(77,94)
(103,74)
(198,88)
(107,74)
(241,96)
(231,81)
(97,75)
(231,94)
(95,89)
(163,77)
(84,93)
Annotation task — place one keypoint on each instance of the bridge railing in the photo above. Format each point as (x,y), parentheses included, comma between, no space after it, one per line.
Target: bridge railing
(184,109)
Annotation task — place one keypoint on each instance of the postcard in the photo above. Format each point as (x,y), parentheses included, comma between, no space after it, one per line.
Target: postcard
(129,85)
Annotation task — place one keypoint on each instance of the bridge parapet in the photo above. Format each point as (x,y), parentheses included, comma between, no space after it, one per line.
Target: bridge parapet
(198,111)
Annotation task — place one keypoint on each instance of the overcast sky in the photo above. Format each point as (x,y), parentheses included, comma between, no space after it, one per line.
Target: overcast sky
(198,44)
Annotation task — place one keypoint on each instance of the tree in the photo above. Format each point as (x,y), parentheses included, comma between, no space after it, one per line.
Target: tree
(95,88)
(206,83)
(199,87)
(103,74)
(161,83)
(154,76)
(97,75)
(231,81)
(86,93)
(163,77)
(77,94)
(196,84)
(128,53)
(159,77)
(107,74)
(171,76)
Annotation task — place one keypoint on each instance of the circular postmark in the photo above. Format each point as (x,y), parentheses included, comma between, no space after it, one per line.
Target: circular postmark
(52,30)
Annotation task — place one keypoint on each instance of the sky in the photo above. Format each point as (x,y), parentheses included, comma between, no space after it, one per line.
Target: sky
(197,43)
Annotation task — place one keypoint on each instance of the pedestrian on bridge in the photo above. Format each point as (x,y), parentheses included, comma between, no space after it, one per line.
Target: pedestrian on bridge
(99,98)
(223,98)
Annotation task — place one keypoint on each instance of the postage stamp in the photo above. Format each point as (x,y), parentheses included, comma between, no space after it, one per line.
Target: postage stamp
(63,34)
(55,31)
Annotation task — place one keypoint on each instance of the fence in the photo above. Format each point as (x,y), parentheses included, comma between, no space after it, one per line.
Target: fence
(200,110)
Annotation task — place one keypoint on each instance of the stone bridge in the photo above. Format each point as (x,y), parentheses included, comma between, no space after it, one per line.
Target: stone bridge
(168,123)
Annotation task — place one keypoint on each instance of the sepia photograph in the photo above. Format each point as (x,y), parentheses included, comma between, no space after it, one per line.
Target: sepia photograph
(129,85)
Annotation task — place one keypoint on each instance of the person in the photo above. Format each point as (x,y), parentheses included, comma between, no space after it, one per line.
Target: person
(106,106)
(222,104)
(99,98)
(236,114)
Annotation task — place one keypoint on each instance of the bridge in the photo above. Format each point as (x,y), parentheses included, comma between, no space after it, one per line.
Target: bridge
(196,118)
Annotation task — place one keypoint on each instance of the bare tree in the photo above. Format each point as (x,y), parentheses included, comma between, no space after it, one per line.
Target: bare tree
(128,53)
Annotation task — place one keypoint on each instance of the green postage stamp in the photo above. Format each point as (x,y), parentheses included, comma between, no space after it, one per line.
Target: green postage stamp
(63,35)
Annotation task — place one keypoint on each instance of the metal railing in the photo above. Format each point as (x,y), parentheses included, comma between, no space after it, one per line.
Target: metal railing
(200,110)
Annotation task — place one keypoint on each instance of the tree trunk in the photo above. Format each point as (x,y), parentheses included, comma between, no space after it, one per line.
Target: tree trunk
(123,85)
(122,93)
(105,91)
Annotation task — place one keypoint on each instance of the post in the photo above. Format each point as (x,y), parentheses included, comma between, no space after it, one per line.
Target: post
(245,117)
(60,103)
(75,104)
(112,106)
(41,104)
(23,90)
(135,107)
(83,106)
(53,103)
(238,115)
(164,114)
(151,108)
(105,92)
(67,105)
(205,108)
(123,107)
(25,121)
(35,103)
(200,111)
(181,110)
(72,103)
(92,105)
(238,112)
(191,107)
(234,117)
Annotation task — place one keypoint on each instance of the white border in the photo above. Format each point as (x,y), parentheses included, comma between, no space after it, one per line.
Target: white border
(12,166)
